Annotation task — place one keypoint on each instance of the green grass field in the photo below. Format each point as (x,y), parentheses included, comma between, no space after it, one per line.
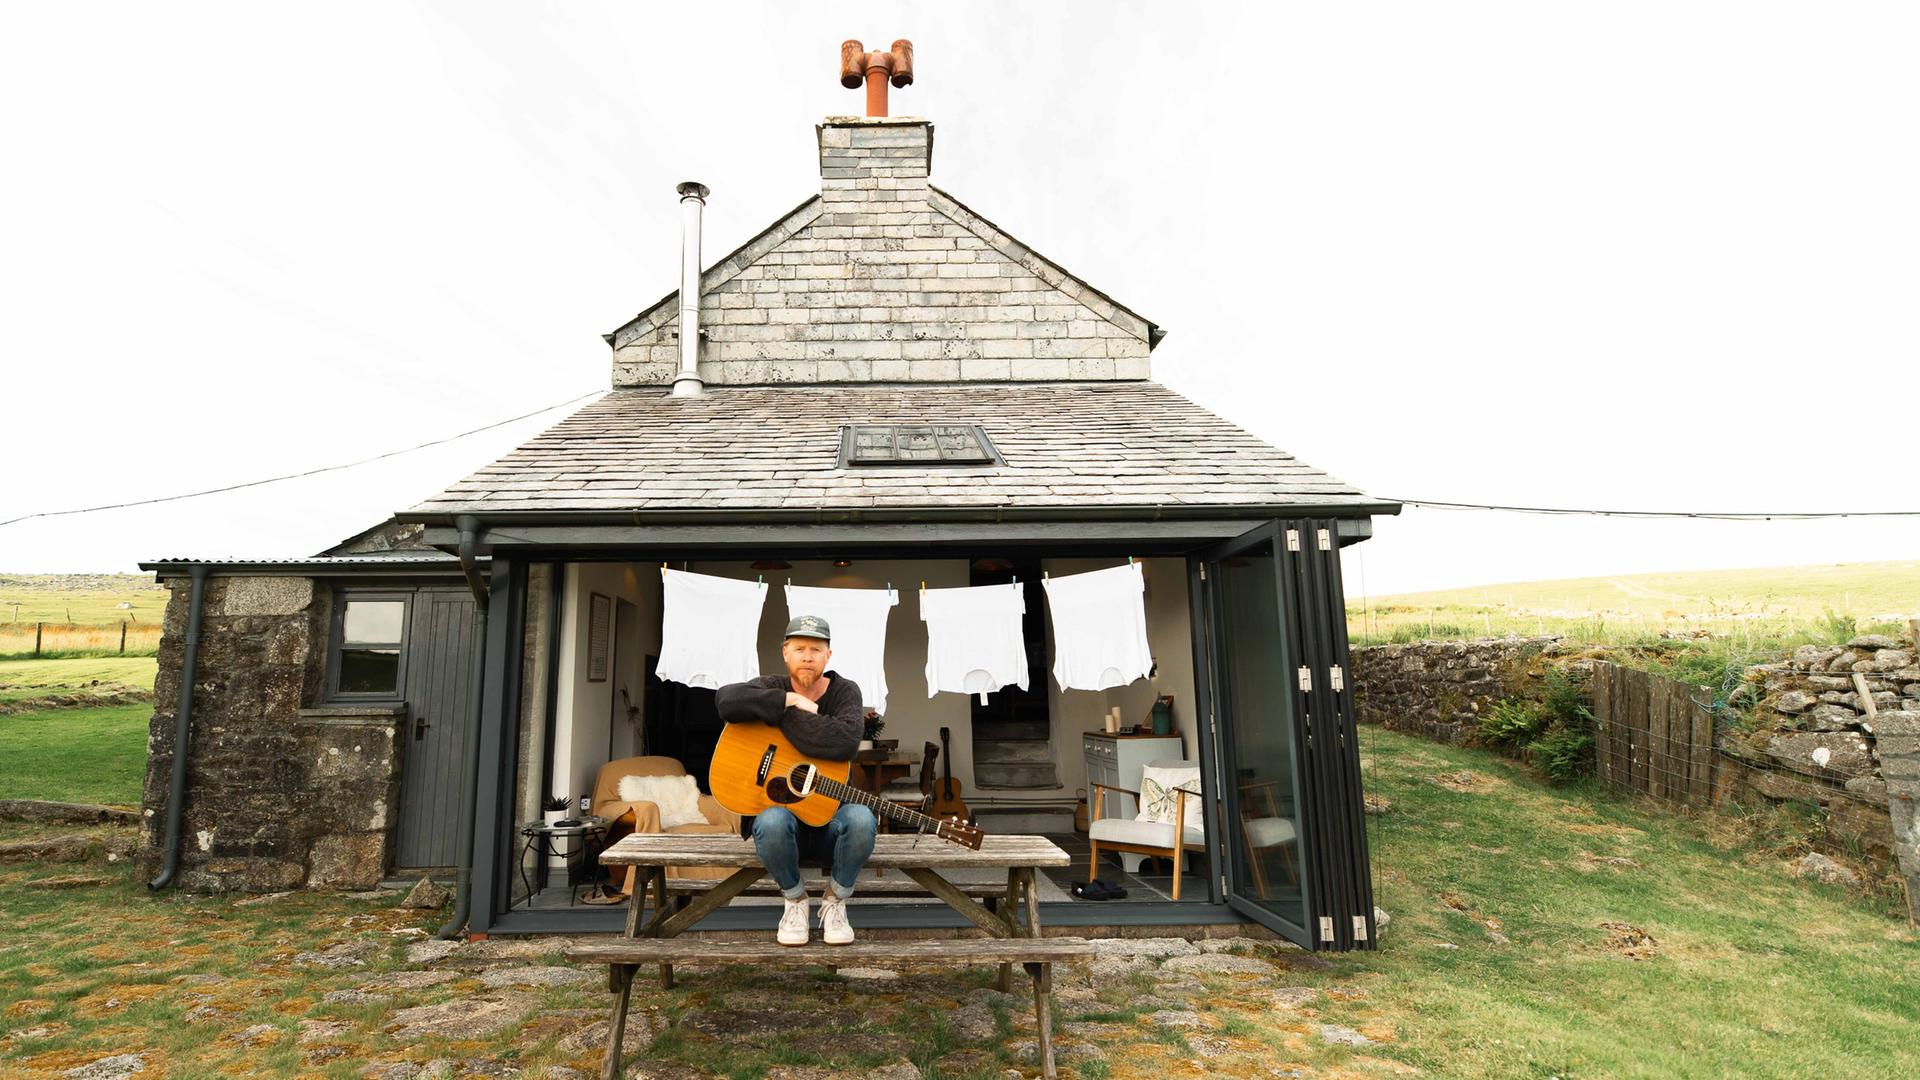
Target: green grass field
(1750,972)
(75,755)
(1536,932)
(21,680)
(82,599)
(1786,602)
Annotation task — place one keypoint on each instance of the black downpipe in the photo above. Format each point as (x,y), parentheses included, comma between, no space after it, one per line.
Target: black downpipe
(182,730)
(463,882)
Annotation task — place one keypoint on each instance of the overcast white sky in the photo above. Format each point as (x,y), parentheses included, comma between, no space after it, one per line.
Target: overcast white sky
(1641,255)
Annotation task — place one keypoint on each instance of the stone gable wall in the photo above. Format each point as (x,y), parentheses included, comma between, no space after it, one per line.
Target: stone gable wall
(884,278)
(278,795)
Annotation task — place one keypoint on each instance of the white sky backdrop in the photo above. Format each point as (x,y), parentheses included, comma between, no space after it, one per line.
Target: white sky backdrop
(1642,255)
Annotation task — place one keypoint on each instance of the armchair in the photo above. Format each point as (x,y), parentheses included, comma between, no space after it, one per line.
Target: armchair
(1145,836)
(644,817)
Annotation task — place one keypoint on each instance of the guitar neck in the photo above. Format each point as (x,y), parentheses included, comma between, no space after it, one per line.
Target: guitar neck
(835,789)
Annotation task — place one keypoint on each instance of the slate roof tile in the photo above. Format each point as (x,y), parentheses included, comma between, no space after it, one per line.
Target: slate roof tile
(1066,445)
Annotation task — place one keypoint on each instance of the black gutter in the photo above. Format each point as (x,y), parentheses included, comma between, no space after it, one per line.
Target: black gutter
(182,731)
(463,881)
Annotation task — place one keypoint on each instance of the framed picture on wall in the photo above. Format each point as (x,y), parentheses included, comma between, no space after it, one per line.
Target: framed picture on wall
(599,636)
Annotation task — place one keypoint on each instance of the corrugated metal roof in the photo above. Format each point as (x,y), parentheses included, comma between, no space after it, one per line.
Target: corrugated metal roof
(1066,445)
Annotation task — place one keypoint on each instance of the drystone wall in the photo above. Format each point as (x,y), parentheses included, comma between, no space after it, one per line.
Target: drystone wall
(278,795)
(1840,727)
(1817,743)
(1438,689)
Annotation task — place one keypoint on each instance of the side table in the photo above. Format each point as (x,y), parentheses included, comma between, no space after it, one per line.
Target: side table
(579,844)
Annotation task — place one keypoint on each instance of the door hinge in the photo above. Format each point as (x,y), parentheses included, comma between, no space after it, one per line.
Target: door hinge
(1293,539)
(1326,928)
(1223,884)
(1326,540)
(1337,677)
(1306,680)
(1213,728)
(1359,928)
(1203,571)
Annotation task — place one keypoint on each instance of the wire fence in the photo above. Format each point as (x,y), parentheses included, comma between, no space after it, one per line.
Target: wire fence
(47,640)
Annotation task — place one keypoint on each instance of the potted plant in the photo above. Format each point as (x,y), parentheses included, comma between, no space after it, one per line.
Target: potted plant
(872,730)
(555,809)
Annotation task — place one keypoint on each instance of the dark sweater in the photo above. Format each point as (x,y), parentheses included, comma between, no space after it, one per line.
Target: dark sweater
(832,733)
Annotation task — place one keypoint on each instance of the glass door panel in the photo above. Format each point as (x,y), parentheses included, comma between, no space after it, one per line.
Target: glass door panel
(1260,742)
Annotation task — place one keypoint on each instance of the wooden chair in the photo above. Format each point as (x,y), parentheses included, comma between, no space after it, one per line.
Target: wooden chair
(1145,837)
(1267,831)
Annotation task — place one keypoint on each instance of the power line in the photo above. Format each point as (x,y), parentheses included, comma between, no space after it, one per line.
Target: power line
(298,475)
(1784,515)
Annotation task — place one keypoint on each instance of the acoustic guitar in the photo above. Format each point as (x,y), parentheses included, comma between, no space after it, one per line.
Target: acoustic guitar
(946,793)
(755,768)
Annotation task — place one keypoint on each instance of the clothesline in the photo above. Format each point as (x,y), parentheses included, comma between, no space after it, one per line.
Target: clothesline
(975,641)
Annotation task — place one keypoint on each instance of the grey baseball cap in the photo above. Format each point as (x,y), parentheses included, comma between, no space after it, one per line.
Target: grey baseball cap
(809,626)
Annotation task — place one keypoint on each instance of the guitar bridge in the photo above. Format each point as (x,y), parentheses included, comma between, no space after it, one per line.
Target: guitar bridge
(766,766)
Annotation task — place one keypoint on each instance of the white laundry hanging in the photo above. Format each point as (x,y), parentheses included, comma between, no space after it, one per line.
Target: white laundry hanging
(1099,628)
(974,641)
(708,629)
(858,620)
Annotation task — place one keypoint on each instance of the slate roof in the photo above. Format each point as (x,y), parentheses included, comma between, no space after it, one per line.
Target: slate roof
(1078,446)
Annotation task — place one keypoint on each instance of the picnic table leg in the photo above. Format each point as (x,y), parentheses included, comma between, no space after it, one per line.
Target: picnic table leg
(1043,1016)
(622,975)
(663,902)
(1012,915)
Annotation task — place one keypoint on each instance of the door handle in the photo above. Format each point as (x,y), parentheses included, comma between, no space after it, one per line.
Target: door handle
(420,726)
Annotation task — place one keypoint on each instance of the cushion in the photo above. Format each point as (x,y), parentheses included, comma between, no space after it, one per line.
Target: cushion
(1145,833)
(1269,832)
(678,797)
(1157,799)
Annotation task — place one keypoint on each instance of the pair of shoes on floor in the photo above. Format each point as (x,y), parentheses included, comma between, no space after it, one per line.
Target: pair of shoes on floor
(834,927)
(601,895)
(1097,889)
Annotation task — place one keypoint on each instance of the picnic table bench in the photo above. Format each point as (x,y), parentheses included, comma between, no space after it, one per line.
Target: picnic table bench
(1008,914)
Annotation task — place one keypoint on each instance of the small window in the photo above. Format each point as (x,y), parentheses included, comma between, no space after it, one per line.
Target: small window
(370,636)
(916,444)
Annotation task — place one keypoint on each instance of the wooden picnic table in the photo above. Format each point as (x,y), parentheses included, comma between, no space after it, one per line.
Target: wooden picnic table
(1010,918)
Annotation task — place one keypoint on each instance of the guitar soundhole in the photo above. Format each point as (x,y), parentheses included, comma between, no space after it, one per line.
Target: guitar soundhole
(779,792)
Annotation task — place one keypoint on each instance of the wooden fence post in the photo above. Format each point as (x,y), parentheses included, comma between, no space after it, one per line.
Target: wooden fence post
(37,628)
(1602,721)
(1700,773)
(1660,771)
(123,637)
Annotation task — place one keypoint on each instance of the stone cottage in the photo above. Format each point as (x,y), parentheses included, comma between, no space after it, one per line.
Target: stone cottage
(883,389)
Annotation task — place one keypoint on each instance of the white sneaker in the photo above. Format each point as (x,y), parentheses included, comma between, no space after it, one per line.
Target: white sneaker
(793,923)
(834,928)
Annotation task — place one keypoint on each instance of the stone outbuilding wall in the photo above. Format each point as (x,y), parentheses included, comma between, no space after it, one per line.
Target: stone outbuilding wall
(1439,689)
(885,278)
(279,795)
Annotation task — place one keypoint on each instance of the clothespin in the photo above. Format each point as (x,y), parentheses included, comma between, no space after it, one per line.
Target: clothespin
(1129,560)
(759,579)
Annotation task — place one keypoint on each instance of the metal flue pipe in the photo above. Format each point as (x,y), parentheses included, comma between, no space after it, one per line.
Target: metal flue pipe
(693,197)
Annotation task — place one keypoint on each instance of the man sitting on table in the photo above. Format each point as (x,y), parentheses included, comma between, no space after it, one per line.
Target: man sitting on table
(820,713)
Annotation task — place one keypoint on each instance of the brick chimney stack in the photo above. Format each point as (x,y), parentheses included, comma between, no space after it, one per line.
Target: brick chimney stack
(883,161)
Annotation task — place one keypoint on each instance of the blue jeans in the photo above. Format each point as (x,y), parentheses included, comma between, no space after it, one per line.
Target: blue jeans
(846,841)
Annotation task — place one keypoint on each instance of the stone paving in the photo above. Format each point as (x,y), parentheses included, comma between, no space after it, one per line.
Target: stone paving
(381,1002)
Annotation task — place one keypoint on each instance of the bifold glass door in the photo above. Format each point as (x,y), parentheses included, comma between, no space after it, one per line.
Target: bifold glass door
(1294,841)
(1256,735)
